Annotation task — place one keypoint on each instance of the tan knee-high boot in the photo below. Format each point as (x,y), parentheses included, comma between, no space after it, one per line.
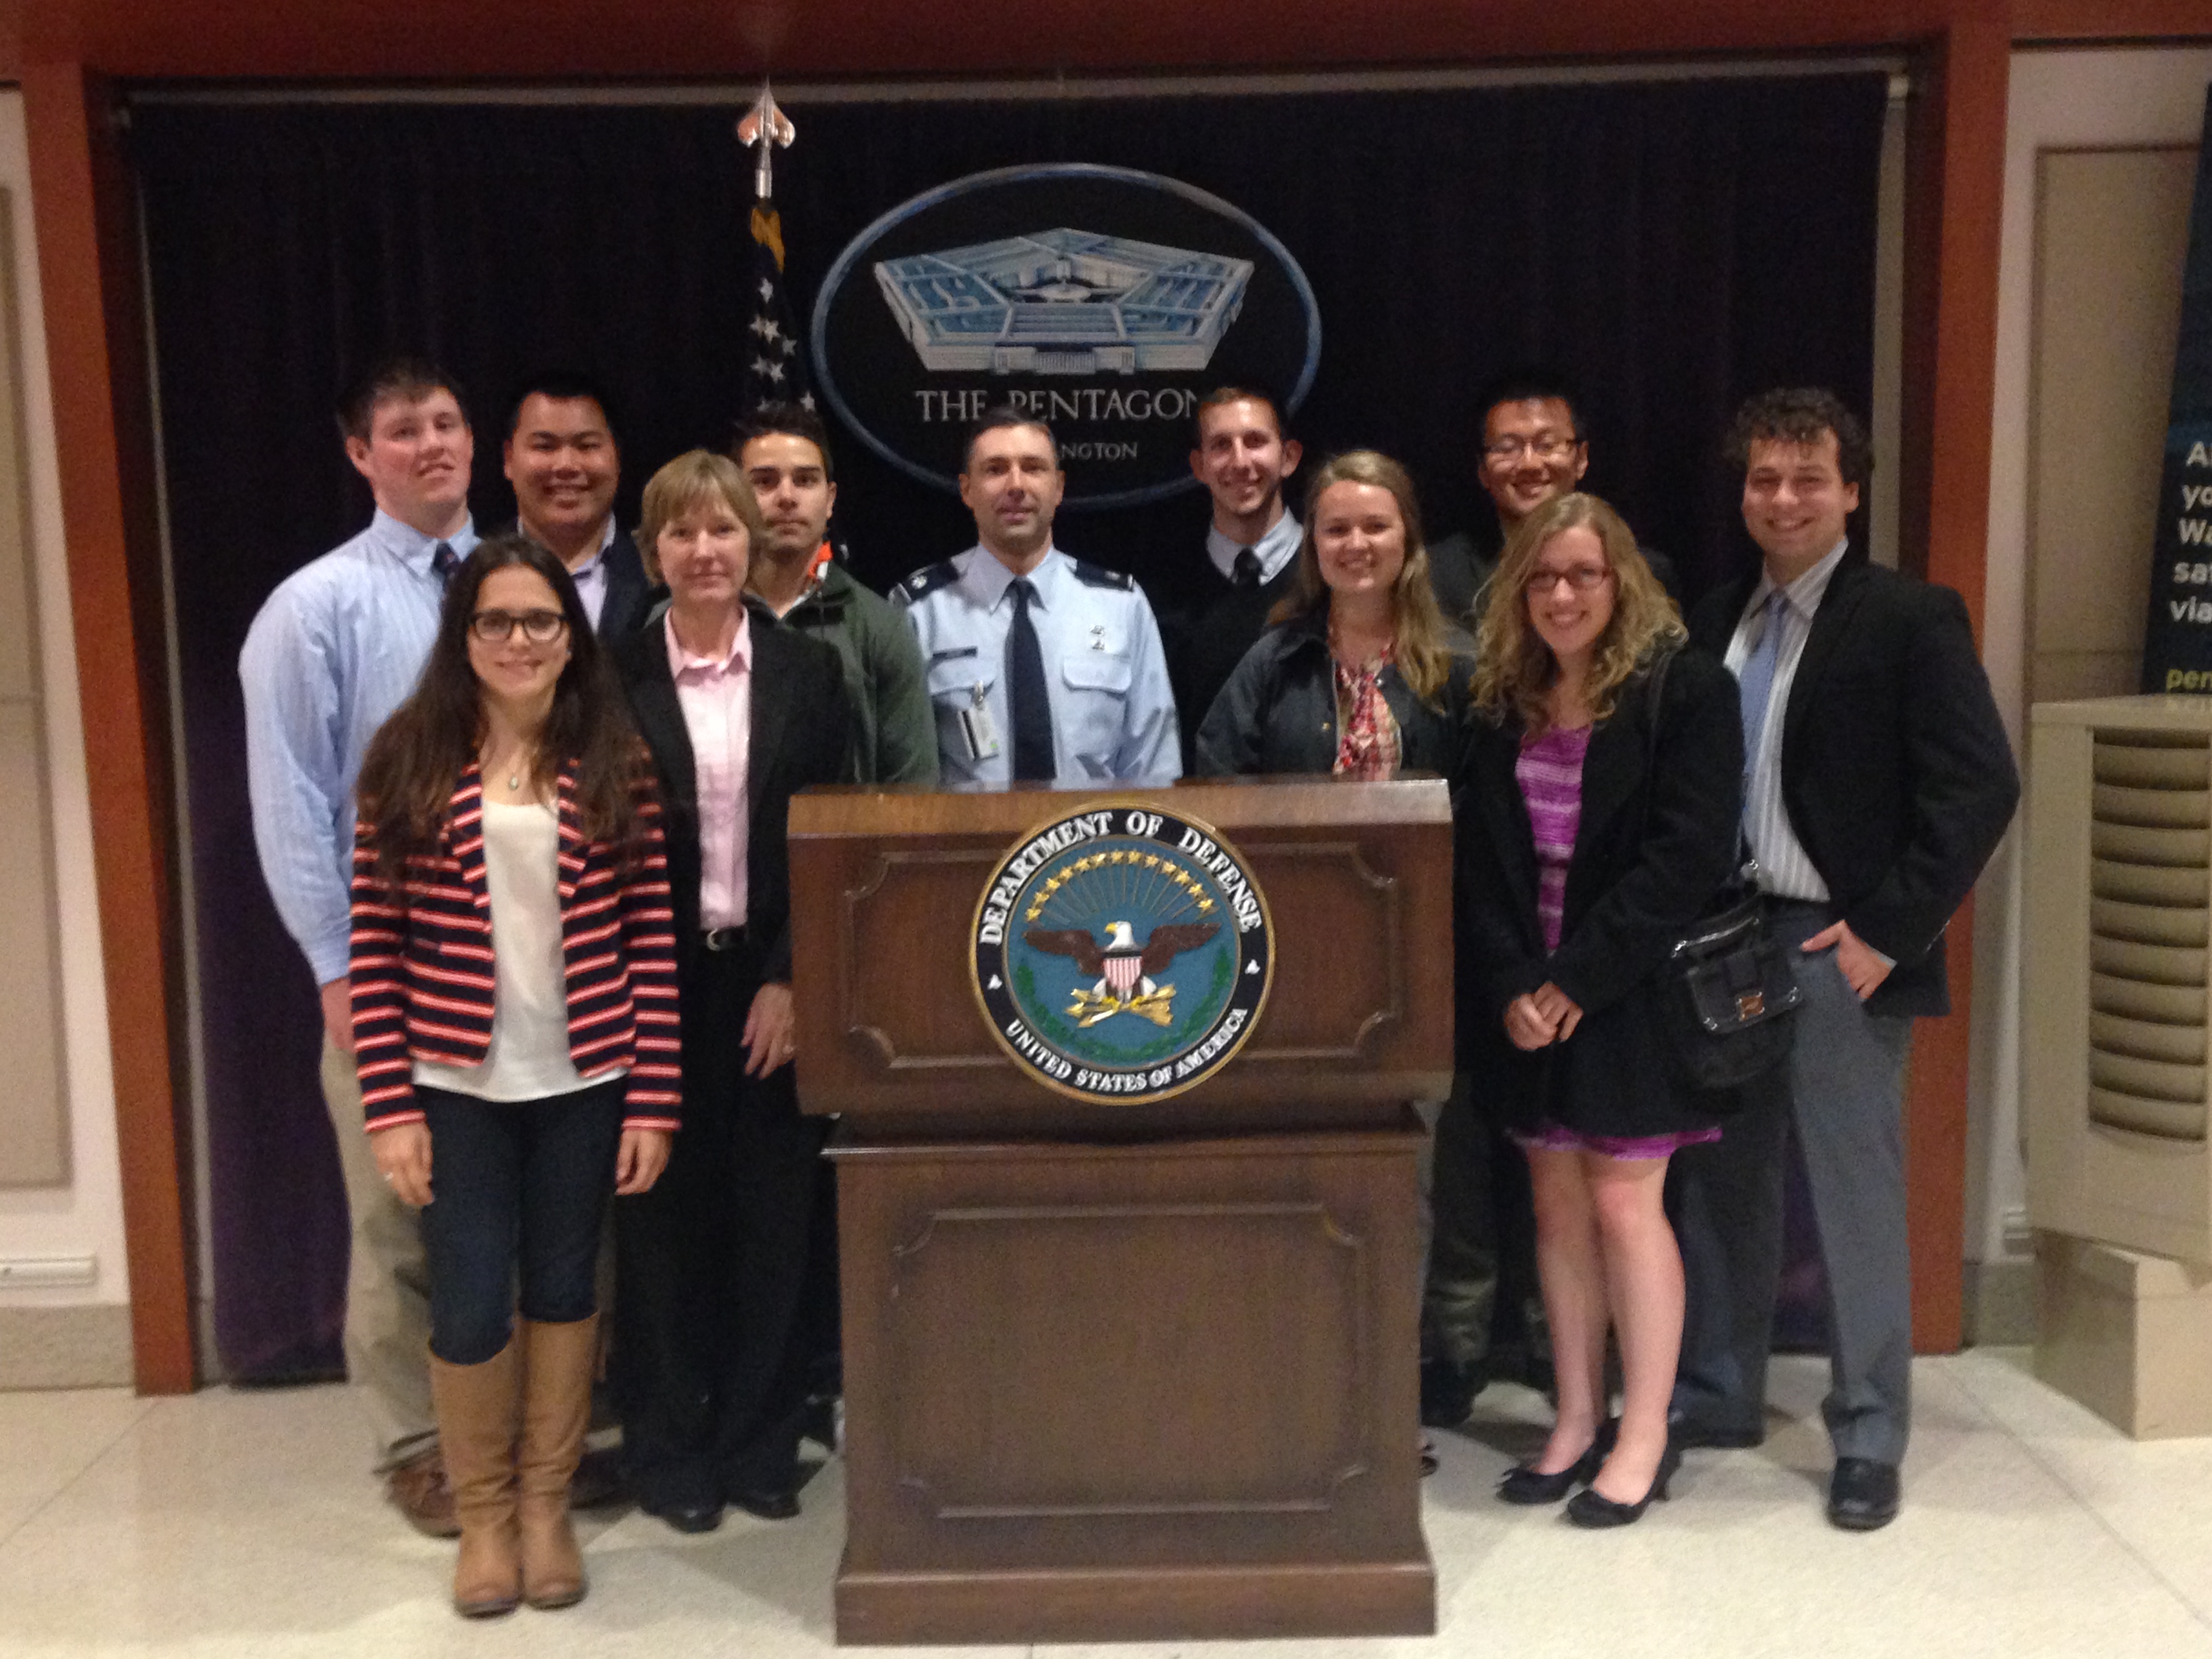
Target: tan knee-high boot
(556,1411)
(475,1406)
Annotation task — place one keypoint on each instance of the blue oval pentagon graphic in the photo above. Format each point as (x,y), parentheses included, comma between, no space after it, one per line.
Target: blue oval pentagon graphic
(1121,952)
(1105,301)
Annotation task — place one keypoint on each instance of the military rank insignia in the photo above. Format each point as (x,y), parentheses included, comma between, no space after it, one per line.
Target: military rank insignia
(1122,952)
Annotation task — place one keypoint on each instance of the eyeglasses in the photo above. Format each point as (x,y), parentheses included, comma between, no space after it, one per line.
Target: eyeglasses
(539,627)
(1548,448)
(1581,578)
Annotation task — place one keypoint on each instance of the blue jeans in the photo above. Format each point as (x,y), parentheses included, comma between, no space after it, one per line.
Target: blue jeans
(517,1190)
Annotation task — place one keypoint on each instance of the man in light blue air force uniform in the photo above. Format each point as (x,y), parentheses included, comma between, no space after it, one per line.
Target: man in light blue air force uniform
(1040,666)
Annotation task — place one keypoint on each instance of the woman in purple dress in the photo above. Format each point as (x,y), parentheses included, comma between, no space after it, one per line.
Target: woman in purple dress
(1599,800)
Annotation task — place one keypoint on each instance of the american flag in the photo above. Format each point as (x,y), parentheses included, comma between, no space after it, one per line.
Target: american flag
(774,365)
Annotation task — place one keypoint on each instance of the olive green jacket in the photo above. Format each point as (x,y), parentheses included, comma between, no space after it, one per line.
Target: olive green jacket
(894,729)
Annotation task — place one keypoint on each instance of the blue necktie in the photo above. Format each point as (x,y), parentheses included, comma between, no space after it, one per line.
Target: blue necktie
(443,563)
(1027,699)
(1755,683)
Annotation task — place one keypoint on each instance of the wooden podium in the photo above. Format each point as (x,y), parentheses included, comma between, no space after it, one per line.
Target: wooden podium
(1119,1370)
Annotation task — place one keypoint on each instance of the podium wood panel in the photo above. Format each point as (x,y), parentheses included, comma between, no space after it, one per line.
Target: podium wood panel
(1161,1390)
(1358,885)
(1116,1369)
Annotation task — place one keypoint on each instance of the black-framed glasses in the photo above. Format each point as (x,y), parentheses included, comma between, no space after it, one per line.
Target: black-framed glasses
(539,627)
(1583,578)
(1546,447)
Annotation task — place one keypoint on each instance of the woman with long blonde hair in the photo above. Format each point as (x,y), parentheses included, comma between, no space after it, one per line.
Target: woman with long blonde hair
(1600,798)
(1358,675)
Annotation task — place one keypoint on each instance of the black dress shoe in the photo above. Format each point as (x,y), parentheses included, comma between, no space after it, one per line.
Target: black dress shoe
(1862,1494)
(770,1503)
(1592,1509)
(1689,1435)
(1448,1392)
(1523,1484)
(687,1514)
(598,1480)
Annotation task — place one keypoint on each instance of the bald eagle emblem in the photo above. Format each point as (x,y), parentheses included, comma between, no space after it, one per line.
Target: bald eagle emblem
(1121,908)
(1123,969)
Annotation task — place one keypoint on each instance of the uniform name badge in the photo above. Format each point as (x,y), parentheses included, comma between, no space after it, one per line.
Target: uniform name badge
(981,730)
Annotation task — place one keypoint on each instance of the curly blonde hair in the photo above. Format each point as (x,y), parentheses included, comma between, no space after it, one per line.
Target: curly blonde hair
(1422,659)
(1514,668)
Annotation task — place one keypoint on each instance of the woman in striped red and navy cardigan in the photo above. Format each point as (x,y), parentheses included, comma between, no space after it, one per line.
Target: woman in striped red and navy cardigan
(515,1014)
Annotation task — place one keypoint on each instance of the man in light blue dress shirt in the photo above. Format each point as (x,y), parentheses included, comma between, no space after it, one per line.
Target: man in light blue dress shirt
(334,650)
(1040,666)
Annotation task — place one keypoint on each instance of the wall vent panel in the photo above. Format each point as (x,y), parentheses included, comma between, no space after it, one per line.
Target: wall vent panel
(2117,1031)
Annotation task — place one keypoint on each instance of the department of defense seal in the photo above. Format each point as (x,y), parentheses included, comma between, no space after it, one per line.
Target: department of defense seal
(1122,952)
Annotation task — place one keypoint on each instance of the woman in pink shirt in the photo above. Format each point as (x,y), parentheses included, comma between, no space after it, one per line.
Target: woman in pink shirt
(739,711)
(1600,802)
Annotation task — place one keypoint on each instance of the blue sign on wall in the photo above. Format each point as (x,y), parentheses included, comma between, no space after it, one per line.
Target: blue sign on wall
(2178,643)
(1102,299)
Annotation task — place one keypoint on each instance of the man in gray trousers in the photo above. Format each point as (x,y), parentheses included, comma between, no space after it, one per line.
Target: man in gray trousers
(1878,782)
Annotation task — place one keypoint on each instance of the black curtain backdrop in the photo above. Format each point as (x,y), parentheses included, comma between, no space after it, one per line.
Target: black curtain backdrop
(1673,246)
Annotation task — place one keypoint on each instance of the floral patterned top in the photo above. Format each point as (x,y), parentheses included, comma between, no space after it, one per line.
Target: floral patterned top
(1368,746)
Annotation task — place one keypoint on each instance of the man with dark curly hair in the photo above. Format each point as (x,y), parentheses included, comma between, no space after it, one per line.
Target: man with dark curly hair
(1878,780)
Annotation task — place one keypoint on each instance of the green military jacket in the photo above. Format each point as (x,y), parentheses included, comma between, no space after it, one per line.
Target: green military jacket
(894,729)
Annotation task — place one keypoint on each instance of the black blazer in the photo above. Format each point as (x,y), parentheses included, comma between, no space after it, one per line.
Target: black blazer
(628,590)
(1654,845)
(1896,771)
(1278,711)
(798,737)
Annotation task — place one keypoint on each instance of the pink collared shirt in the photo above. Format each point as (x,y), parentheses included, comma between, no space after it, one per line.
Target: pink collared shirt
(717,699)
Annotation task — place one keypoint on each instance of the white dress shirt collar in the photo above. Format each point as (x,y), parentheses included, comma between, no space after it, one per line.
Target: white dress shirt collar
(1274,550)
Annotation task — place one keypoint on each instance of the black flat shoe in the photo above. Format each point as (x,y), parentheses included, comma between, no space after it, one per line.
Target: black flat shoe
(1862,1494)
(769,1504)
(688,1514)
(1523,1484)
(1591,1509)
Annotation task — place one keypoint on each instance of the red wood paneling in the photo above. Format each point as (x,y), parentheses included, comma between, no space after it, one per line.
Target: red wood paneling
(88,275)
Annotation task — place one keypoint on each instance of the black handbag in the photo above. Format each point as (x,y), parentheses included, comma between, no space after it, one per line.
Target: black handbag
(1727,994)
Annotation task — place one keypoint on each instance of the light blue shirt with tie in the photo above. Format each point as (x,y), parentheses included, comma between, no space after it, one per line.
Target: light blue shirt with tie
(1768,644)
(334,650)
(1113,710)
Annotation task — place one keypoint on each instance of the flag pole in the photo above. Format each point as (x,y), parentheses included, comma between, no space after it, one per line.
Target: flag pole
(775,369)
(765,129)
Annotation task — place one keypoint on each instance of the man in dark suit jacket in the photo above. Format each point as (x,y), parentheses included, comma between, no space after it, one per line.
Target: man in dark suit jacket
(564,460)
(711,1365)
(1878,782)
(1242,456)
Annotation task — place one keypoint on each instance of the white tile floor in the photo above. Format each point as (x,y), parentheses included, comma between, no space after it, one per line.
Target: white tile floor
(243,1525)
